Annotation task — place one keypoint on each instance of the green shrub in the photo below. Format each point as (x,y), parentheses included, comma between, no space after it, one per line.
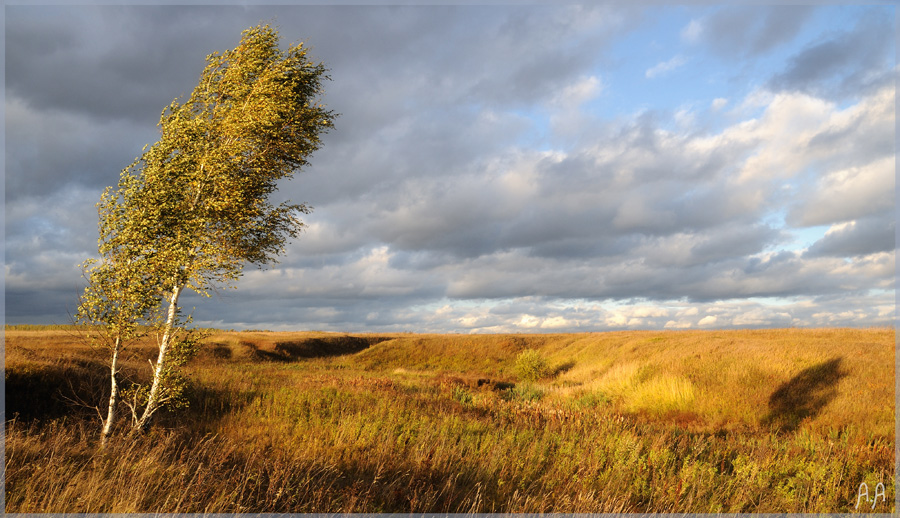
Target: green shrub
(531,365)
(462,395)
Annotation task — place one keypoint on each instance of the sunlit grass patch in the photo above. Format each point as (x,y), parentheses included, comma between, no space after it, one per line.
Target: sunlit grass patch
(620,380)
(662,394)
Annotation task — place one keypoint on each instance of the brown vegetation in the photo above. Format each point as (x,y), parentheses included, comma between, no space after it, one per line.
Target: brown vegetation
(715,421)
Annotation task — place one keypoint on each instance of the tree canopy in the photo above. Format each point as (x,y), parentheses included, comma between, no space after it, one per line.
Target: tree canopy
(194,208)
(196,201)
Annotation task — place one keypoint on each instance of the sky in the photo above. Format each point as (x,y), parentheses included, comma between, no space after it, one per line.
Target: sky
(504,168)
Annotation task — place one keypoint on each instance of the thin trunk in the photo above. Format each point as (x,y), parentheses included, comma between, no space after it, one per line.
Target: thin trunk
(113,396)
(153,398)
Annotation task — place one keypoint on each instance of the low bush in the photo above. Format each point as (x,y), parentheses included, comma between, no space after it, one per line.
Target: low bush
(531,365)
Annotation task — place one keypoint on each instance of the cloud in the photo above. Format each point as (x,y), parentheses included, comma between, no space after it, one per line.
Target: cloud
(487,172)
(664,67)
(797,131)
(847,64)
(46,240)
(108,62)
(643,213)
(567,113)
(543,315)
(742,31)
(50,149)
(849,194)
(857,238)
(708,320)
(693,31)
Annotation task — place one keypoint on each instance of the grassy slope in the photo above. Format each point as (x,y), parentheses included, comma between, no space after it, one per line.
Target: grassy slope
(726,377)
(750,421)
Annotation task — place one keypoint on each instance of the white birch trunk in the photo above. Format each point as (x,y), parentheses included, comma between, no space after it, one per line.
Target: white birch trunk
(113,396)
(153,398)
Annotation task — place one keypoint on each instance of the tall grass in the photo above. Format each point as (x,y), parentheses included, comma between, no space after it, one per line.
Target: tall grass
(635,422)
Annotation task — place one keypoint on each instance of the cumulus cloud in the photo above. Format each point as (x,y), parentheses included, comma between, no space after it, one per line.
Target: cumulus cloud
(531,314)
(848,194)
(478,178)
(557,224)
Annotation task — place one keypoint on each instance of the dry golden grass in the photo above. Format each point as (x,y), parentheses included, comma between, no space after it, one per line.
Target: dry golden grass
(715,421)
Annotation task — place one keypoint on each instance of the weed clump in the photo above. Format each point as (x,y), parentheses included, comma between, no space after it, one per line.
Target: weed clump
(463,396)
(531,365)
(524,393)
(591,400)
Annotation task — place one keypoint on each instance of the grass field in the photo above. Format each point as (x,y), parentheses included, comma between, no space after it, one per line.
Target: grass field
(690,421)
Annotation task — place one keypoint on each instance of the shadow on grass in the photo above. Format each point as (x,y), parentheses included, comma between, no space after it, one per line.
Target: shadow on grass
(220,351)
(42,391)
(317,348)
(79,388)
(804,395)
(207,407)
(562,368)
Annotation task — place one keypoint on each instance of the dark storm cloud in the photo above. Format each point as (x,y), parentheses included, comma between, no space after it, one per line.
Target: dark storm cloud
(51,305)
(253,308)
(85,85)
(52,150)
(63,224)
(128,62)
(111,62)
(845,64)
(47,237)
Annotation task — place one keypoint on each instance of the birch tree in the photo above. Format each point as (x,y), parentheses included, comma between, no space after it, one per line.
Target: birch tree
(193,210)
(118,312)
